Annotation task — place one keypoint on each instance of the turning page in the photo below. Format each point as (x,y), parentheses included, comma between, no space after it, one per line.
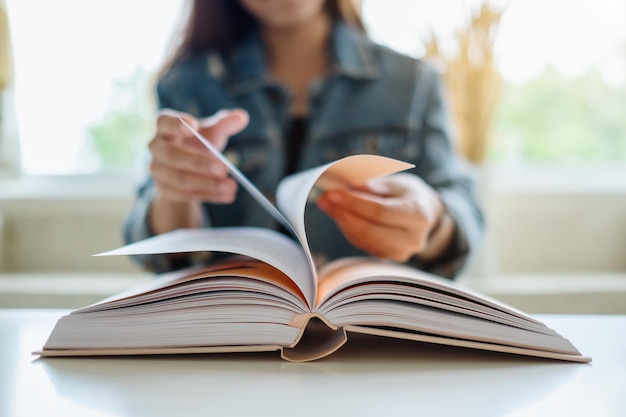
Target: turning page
(293,191)
(351,171)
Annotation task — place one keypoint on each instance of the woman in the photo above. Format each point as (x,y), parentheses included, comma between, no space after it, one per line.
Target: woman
(307,87)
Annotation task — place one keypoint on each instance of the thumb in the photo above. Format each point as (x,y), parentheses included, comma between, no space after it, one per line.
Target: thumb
(378,186)
(223,124)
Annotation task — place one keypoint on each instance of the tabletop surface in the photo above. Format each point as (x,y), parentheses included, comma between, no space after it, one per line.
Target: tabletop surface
(369,376)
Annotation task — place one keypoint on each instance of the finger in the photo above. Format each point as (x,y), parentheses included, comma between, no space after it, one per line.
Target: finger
(395,185)
(380,188)
(223,124)
(175,194)
(192,184)
(217,128)
(356,225)
(370,207)
(376,239)
(168,124)
(188,159)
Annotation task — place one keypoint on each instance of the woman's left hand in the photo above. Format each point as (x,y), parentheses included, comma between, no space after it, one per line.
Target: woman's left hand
(394,217)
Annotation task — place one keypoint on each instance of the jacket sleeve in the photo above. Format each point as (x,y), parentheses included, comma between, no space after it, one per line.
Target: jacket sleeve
(450,176)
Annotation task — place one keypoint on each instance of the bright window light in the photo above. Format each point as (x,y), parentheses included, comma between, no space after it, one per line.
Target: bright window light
(563,63)
(79,66)
(85,76)
(573,36)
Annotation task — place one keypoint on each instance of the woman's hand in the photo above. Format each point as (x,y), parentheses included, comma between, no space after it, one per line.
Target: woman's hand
(182,168)
(184,172)
(394,217)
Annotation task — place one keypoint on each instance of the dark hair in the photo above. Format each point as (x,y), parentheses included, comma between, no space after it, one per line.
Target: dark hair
(220,24)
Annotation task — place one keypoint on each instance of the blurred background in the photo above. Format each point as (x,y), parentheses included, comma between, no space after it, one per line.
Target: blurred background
(537,94)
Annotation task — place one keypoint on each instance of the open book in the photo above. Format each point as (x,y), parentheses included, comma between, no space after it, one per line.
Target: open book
(271,297)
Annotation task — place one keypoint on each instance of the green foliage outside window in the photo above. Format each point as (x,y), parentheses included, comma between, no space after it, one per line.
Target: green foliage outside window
(122,134)
(555,119)
(549,119)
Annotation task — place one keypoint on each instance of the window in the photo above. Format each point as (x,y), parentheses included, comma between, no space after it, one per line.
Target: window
(570,106)
(84,74)
(563,65)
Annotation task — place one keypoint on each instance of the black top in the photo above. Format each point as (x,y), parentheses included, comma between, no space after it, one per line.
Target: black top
(295,136)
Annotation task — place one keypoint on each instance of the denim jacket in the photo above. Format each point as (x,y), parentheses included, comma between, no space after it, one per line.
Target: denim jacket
(373,100)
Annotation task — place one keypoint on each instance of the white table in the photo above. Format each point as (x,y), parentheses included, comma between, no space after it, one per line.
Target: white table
(367,377)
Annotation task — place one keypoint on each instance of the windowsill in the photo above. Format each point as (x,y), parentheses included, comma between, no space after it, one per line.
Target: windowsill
(537,179)
(563,293)
(67,187)
(550,283)
(495,180)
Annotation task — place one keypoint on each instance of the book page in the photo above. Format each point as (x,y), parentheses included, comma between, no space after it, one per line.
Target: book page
(168,285)
(341,274)
(293,191)
(351,171)
(291,195)
(266,245)
(367,292)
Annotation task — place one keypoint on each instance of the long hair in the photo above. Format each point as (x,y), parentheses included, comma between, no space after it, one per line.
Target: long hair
(220,24)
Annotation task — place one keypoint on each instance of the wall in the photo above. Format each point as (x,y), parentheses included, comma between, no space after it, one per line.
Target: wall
(527,233)
(61,235)
(562,232)
(556,252)
(55,224)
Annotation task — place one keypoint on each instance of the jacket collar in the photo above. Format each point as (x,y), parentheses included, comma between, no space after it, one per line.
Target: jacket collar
(352,52)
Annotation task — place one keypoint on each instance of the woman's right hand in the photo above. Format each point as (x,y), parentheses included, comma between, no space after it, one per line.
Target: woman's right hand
(182,168)
(184,172)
